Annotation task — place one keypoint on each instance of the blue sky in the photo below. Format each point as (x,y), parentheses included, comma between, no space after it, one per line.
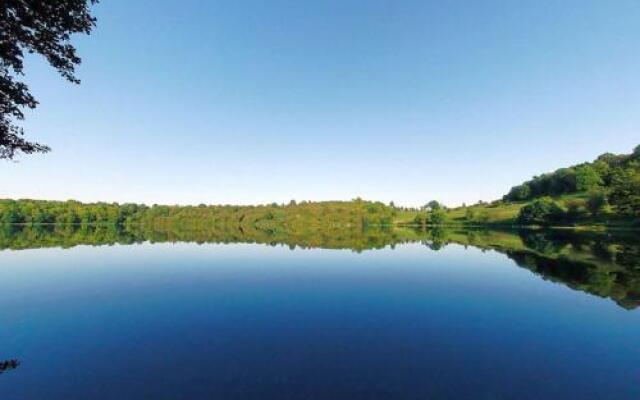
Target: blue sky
(187,102)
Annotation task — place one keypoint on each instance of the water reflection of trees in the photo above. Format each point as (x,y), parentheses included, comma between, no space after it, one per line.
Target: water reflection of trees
(8,365)
(605,264)
(330,237)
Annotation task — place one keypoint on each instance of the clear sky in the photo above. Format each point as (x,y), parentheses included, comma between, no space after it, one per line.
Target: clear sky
(187,102)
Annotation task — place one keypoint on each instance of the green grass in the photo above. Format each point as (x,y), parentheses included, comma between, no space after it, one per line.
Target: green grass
(404,217)
(489,214)
(499,213)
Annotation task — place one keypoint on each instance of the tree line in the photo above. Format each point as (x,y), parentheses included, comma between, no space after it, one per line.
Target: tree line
(355,213)
(617,176)
(611,185)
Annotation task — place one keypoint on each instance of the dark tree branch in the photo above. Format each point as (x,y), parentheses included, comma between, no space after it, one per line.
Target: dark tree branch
(35,26)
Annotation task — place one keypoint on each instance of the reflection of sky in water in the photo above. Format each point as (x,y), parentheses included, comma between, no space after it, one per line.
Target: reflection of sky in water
(255,321)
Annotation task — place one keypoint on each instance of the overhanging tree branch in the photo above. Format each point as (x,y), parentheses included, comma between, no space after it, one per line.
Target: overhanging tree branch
(34,26)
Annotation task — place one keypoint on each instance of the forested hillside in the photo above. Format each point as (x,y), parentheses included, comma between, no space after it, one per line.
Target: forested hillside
(603,192)
(617,177)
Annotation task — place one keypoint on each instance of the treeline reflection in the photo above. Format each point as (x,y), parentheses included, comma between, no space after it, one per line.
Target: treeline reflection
(9,365)
(605,264)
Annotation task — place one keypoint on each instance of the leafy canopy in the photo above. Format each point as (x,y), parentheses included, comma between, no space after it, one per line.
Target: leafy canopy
(34,26)
(582,178)
(542,211)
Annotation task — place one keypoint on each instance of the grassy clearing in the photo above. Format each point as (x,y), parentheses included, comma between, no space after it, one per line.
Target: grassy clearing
(503,214)
(500,213)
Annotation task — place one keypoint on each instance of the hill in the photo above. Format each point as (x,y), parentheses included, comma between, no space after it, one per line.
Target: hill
(604,192)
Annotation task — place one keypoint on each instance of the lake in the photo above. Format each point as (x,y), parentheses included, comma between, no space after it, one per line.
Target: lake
(382,314)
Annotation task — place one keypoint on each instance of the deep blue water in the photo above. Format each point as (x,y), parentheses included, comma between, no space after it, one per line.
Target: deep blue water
(241,321)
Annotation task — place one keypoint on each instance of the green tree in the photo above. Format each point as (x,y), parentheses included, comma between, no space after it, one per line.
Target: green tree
(420,219)
(432,205)
(625,191)
(11,214)
(563,181)
(519,193)
(604,171)
(579,178)
(597,202)
(587,178)
(437,217)
(42,217)
(543,211)
(576,210)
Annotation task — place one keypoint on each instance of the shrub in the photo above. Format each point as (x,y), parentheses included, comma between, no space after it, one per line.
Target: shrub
(483,217)
(587,178)
(469,214)
(625,192)
(597,202)
(437,217)
(542,211)
(420,219)
(576,210)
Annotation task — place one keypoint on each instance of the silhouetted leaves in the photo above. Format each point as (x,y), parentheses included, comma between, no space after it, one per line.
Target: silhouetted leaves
(34,26)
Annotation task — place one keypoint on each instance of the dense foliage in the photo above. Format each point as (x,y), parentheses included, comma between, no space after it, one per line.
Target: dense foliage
(609,196)
(274,217)
(542,211)
(437,216)
(605,264)
(606,172)
(609,185)
(19,237)
(625,191)
(35,212)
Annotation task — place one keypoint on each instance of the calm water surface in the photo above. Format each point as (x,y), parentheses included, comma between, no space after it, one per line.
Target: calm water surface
(251,321)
